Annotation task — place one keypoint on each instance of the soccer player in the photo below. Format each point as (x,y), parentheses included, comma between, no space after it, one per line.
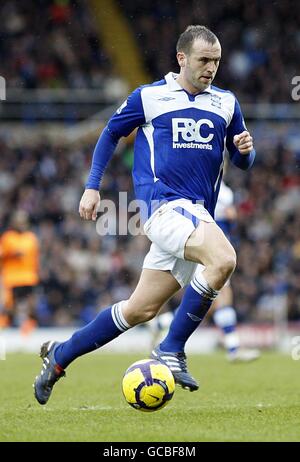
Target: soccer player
(185,124)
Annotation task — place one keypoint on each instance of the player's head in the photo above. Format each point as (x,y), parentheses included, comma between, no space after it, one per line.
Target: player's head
(20,221)
(198,55)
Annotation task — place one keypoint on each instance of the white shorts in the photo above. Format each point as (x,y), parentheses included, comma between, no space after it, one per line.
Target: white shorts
(169,228)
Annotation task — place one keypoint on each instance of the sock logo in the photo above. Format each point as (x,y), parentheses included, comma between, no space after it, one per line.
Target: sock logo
(194,317)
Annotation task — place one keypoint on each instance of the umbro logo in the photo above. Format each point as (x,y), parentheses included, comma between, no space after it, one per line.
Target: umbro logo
(165,98)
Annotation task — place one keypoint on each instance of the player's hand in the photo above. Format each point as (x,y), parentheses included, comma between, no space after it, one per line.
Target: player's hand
(89,204)
(243,142)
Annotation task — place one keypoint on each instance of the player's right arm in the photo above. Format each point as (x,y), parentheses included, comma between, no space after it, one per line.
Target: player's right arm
(129,116)
(89,204)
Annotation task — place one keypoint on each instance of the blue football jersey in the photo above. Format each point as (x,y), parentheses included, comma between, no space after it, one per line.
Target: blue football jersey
(180,143)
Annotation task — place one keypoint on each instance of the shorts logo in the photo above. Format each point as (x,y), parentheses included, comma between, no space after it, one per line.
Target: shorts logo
(189,131)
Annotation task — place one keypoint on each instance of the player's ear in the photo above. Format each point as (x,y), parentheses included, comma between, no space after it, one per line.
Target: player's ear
(181,58)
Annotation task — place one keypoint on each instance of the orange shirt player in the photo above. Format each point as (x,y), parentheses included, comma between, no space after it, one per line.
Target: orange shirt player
(19,258)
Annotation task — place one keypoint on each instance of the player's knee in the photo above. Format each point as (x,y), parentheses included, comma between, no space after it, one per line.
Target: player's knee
(150,312)
(225,265)
(142,313)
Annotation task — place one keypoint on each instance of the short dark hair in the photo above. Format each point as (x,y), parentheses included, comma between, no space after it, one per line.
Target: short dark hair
(191,33)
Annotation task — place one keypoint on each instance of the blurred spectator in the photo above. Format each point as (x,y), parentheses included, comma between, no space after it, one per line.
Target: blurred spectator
(55,43)
(19,258)
(51,44)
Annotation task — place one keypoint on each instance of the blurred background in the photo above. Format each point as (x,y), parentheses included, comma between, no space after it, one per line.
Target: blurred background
(67,66)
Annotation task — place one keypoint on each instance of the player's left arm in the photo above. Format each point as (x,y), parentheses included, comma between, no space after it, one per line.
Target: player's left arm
(239,141)
(243,142)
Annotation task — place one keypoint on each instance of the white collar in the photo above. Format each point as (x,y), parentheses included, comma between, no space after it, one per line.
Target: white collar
(171,77)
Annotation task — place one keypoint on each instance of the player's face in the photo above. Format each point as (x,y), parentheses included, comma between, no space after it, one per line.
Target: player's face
(201,64)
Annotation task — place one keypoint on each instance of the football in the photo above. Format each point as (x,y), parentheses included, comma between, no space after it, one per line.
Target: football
(148,385)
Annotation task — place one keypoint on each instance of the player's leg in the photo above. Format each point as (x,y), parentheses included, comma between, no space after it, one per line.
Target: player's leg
(209,246)
(153,290)
(155,287)
(159,326)
(225,318)
(6,306)
(25,308)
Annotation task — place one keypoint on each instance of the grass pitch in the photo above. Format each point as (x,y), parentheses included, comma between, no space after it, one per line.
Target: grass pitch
(236,402)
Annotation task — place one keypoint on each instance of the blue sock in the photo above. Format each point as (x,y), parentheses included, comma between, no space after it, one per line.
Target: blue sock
(108,325)
(195,303)
(225,319)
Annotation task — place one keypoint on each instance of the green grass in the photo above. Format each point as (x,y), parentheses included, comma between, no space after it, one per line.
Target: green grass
(236,402)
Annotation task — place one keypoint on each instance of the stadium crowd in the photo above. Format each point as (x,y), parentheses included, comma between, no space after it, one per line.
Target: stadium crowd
(51,44)
(260,40)
(81,270)
(55,43)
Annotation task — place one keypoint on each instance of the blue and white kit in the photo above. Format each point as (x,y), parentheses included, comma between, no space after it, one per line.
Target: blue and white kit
(178,162)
